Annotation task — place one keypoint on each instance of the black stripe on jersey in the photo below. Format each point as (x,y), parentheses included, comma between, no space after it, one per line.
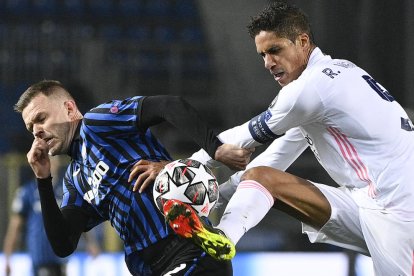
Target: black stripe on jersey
(137,223)
(159,147)
(149,216)
(82,182)
(110,133)
(71,199)
(107,154)
(120,213)
(151,151)
(136,148)
(118,147)
(93,122)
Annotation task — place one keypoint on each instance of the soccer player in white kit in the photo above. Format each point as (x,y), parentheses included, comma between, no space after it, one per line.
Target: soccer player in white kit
(358,133)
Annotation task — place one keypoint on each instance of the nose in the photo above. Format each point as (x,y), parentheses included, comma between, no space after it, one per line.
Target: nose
(38,131)
(269,61)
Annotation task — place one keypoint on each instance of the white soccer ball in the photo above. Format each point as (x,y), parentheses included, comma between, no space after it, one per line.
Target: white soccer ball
(188,181)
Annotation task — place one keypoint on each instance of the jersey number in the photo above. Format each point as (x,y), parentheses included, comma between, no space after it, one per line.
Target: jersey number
(378,88)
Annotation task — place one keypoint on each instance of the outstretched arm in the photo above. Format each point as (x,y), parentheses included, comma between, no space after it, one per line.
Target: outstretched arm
(175,110)
(183,116)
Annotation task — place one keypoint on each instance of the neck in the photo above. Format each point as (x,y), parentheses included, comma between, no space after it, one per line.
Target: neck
(73,128)
(307,56)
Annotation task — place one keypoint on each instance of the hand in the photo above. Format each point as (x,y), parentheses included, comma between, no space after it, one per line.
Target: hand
(38,158)
(146,171)
(234,157)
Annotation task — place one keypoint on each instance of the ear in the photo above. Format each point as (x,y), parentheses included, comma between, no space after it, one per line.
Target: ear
(71,109)
(303,40)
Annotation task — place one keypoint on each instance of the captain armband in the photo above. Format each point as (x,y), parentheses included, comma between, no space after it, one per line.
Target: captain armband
(259,129)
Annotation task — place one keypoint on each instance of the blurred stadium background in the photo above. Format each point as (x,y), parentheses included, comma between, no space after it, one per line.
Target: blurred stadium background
(107,49)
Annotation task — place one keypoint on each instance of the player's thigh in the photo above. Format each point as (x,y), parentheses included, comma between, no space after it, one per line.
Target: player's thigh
(343,228)
(189,259)
(390,242)
(296,196)
(199,265)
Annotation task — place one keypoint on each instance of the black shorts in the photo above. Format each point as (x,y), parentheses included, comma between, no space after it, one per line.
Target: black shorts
(177,256)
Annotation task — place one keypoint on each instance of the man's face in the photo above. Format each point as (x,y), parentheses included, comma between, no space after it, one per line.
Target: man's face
(285,59)
(48,119)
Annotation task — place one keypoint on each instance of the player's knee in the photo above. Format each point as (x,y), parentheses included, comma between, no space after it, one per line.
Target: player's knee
(264,175)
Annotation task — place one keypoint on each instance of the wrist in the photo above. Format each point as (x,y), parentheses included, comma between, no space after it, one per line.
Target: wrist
(43,181)
(218,153)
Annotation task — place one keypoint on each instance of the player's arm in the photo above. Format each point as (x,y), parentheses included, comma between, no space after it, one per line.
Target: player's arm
(183,116)
(280,154)
(63,227)
(175,110)
(251,134)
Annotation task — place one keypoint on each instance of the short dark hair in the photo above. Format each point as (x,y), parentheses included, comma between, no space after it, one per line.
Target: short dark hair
(285,20)
(46,87)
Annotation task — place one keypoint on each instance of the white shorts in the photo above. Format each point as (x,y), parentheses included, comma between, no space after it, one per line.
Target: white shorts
(371,231)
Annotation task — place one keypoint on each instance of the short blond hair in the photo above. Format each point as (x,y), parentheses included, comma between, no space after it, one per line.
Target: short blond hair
(45,87)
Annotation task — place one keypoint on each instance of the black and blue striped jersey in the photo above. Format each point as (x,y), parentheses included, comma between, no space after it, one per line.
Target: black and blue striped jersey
(109,142)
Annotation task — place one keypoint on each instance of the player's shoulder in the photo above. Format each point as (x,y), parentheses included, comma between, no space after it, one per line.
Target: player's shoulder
(327,72)
(114,106)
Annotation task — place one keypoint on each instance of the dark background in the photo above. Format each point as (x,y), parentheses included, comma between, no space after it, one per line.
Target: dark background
(107,49)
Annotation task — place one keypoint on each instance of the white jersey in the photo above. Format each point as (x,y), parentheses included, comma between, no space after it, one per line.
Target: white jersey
(357,131)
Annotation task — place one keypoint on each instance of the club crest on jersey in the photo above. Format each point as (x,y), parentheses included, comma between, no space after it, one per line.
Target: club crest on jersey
(114,108)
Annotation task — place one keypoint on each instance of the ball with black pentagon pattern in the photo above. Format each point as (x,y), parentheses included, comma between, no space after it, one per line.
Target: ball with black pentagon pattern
(188,181)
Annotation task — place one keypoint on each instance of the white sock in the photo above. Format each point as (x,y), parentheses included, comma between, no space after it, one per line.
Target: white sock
(247,207)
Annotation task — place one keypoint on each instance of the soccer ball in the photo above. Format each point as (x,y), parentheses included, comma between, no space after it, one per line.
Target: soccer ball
(188,181)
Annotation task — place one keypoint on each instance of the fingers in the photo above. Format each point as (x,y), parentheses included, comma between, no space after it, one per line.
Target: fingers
(143,181)
(145,173)
(136,170)
(234,157)
(38,158)
(138,183)
(38,151)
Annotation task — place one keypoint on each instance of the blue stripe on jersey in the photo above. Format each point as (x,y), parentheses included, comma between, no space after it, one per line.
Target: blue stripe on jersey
(109,144)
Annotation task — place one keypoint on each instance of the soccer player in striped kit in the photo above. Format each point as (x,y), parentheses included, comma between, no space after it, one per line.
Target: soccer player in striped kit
(104,145)
(358,132)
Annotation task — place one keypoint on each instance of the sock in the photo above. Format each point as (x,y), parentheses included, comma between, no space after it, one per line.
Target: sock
(248,206)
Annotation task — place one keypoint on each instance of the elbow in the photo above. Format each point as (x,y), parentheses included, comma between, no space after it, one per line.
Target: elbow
(62,252)
(63,249)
